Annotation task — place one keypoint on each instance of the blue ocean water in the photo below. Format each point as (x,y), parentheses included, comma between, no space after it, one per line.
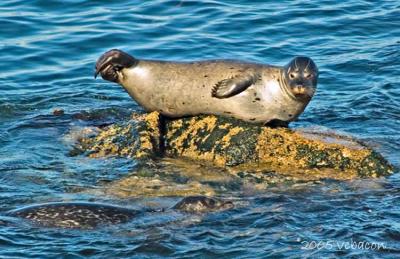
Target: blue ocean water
(47,57)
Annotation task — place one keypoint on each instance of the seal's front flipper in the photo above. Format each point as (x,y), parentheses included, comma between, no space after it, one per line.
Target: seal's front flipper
(230,87)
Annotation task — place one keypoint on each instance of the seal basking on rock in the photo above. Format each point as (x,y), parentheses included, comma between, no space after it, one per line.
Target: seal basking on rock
(248,91)
(91,215)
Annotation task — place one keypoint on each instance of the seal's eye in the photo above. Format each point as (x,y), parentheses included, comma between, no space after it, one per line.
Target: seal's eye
(308,75)
(292,75)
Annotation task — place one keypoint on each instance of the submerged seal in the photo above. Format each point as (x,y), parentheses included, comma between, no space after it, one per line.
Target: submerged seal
(252,92)
(74,214)
(91,215)
(202,204)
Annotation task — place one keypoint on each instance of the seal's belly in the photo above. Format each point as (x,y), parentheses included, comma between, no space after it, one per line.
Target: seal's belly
(259,110)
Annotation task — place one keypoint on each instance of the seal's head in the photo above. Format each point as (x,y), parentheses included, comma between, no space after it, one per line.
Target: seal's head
(112,62)
(300,76)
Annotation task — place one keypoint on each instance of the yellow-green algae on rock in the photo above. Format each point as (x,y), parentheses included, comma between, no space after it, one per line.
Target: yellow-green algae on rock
(137,138)
(241,147)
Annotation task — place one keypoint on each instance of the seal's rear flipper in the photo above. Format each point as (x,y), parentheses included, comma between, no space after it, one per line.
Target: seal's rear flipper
(111,62)
(235,85)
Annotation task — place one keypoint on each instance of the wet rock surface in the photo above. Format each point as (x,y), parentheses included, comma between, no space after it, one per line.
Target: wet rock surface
(208,155)
(239,147)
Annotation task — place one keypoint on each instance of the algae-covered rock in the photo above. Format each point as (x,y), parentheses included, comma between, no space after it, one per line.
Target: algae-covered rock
(229,142)
(241,147)
(136,138)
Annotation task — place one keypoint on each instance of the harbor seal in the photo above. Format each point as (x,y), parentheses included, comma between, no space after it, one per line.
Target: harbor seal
(85,215)
(74,214)
(251,92)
